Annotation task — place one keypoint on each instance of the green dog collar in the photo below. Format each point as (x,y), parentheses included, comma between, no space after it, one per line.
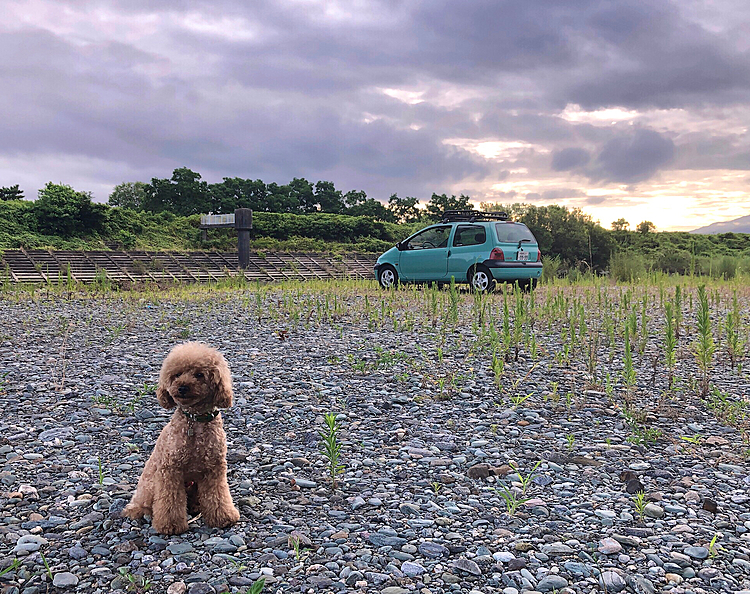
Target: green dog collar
(201,417)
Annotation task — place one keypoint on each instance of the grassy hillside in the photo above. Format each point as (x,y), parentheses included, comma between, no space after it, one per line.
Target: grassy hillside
(567,246)
(130,229)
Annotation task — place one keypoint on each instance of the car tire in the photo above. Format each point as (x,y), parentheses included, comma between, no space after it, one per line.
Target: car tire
(481,280)
(387,277)
(527,286)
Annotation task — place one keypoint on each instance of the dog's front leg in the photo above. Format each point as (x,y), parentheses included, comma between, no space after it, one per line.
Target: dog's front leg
(170,503)
(216,503)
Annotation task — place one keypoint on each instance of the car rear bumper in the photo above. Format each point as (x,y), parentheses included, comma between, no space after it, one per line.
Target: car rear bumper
(513,270)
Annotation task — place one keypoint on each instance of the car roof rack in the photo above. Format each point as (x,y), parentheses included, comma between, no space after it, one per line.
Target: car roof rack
(471,216)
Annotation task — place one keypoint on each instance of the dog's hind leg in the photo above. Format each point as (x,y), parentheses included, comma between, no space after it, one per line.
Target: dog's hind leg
(216,503)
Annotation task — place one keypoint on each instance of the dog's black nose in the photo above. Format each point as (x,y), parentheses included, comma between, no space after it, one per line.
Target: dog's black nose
(182,390)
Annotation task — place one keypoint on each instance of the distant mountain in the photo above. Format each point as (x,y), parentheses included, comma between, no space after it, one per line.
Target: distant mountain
(741,225)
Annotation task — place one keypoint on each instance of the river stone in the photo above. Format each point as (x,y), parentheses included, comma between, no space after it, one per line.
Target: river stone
(552,582)
(411,569)
(557,549)
(383,540)
(433,550)
(468,566)
(653,511)
(609,546)
(65,579)
(612,581)
(696,552)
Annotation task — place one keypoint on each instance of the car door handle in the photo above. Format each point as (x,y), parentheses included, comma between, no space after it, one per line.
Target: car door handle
(449,253)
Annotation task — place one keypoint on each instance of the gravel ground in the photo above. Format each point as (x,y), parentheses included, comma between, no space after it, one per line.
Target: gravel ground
(429,446)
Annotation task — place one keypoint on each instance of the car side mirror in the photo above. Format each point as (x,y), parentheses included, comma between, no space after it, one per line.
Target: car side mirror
(400,246)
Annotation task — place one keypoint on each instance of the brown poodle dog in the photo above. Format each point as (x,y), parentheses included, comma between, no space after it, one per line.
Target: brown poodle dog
(189,463)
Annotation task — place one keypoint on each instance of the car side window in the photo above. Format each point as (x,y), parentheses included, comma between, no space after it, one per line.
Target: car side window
(435,237)
(469,235)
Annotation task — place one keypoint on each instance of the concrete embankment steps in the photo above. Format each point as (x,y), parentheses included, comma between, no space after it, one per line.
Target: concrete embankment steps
(42,266)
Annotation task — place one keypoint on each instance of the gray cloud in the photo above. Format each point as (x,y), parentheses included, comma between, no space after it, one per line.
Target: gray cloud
(632,158)
(570,158)
(277,89)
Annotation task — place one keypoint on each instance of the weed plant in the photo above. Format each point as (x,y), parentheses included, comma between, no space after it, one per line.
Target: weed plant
(331,447)
(704,343)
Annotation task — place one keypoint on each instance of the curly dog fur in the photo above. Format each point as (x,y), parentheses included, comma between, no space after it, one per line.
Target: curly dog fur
(188,467)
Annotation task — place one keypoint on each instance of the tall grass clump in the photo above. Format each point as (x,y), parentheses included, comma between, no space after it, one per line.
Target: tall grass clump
(626,267)
(670,343)
(704,344)
(734,333)
(551,268)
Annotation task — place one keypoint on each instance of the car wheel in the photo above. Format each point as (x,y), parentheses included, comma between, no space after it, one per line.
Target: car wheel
(526,285)
(387,277)
(481,279)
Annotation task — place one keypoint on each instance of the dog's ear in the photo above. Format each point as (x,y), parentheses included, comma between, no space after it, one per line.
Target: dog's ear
(222,380)
(163,397)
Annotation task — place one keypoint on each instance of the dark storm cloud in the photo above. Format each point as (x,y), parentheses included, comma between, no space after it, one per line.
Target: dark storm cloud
(570,158)
(633,158)
(277,89)
(650,55)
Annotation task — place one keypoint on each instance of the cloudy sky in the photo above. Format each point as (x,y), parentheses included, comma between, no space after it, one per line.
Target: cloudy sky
(625,108)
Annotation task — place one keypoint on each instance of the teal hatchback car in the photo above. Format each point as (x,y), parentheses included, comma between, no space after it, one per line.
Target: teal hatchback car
(472,247)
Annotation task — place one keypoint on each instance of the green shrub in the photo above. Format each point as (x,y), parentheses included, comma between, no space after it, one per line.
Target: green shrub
(673,261)
(626,266)
(551,268)
(60,210)
(727,267)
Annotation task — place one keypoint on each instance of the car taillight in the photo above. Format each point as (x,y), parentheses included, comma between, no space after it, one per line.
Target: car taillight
(497,254)
(539,255)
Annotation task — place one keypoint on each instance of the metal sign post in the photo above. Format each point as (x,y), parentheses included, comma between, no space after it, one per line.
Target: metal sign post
(242,220)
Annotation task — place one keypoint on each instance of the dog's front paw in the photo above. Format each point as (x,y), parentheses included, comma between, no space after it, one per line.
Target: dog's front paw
(169,527)
(134,512)
(222,518)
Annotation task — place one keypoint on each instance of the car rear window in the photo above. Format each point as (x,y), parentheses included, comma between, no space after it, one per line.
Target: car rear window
(513,233)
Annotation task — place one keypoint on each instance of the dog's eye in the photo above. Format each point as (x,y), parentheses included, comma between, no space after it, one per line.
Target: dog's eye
(199,375)
(176,375)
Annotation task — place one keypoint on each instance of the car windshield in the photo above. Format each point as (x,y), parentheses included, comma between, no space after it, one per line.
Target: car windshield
(513,233)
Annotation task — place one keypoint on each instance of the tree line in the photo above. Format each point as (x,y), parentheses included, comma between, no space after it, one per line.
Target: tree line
(185,194)
(304,216)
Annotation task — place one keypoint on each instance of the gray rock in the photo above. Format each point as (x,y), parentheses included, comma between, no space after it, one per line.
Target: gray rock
(412,569)
(609,546)
(179,548)
(552,582)
(468,566)
(557,549)
(612,581)
(383,540)
(65,579)
(653,511)
(640,585)
(696,552)
(305,484)
(200,588)
(433,550)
